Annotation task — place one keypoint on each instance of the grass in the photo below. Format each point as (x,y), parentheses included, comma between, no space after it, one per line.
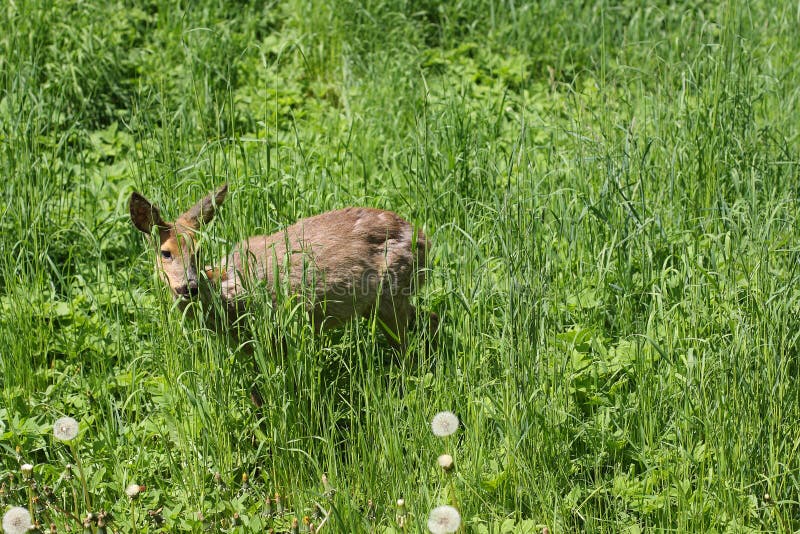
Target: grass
(611,191)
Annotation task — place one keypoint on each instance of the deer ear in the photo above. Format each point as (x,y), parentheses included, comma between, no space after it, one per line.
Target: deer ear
(145,215)
(203,211)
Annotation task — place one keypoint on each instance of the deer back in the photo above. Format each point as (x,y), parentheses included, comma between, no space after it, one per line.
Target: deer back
(343,260)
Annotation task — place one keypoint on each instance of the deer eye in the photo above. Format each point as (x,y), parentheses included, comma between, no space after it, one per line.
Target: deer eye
(166,254)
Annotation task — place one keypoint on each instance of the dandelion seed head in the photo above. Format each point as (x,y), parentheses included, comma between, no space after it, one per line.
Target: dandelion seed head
(444,424)
(26,469)
(65,429)
(132,490)
(17,521)
(445,461)
(444,520)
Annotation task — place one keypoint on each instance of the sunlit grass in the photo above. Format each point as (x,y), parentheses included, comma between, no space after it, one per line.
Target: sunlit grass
(611,194)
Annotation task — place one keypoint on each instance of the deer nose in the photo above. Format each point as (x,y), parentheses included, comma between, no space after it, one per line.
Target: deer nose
(189,290)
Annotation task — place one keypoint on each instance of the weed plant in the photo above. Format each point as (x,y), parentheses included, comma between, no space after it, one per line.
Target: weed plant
(611,190)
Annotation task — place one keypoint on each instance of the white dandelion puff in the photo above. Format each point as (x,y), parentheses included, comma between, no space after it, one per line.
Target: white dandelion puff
(132,490)
(445,461)
(26,469)
(443,520)
(17,521)
(444,424)
(65,429)
(401,513)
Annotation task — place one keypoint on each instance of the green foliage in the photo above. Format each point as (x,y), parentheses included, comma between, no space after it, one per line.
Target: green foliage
(611,192)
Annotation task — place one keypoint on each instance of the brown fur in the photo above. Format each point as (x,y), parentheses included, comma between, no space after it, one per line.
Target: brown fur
(345,263)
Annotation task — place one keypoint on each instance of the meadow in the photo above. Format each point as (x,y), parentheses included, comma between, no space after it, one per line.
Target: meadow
(611,191)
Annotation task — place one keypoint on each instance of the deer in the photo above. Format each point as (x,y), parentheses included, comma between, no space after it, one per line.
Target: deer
(347,263)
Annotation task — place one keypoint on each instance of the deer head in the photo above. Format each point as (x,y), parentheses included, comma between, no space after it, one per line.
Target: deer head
(176,259)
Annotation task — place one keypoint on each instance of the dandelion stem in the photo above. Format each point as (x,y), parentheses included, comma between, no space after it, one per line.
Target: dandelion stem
(133,516)
(30,497)
(453,497)
(77,510)
(82,476)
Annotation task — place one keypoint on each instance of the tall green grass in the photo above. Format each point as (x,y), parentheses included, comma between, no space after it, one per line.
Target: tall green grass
(611,194)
